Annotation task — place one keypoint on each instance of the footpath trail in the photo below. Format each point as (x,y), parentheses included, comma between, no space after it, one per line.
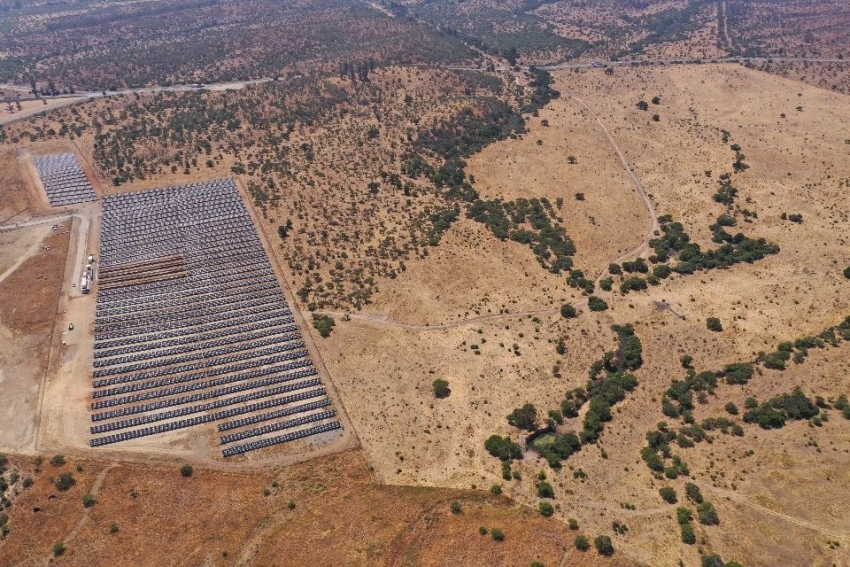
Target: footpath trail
(641,191)
(641,249)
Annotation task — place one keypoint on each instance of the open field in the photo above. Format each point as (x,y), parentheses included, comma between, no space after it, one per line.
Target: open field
(645,264)
(227,520)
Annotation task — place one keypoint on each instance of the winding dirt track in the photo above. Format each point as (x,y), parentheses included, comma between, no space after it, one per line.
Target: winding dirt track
(644,246)
(640,250)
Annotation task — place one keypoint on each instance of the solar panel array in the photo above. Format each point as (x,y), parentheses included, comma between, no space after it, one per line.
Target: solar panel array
(64,180)
(218,344)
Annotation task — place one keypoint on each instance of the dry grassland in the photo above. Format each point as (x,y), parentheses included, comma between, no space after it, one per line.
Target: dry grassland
(385,368)
(340,517)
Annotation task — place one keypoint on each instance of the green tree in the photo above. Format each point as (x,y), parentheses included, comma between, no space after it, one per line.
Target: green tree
(57,460)
(568,311)
(688,535)
(707,514)
(324,324)
(441,388)
(847,272)
(668,494)
(604,545)
(186,471)
(524,417)
(545,490)
(456,507)
(714,324)
(497,534)
(596,303)
(89,500)
(546,509)
(582,543)
(693,493)
(503,448)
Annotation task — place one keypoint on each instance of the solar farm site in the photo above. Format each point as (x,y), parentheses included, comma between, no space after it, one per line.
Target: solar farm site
(64,180)
(191,326)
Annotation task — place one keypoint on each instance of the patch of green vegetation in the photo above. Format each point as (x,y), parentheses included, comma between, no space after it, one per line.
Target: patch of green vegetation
(324,324)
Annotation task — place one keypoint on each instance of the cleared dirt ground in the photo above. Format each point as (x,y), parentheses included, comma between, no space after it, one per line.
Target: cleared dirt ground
(340,517)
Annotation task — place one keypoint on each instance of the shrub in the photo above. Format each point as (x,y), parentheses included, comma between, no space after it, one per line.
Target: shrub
(606,284)
(496,489)
(615,269)
(456,507)
(291,504)
(113,528)
(58,548)
(324,324)
(65,481)
(693,493)
(524,417)
(89,500)
(707,514)
(847,272)
(568,311)
(497,534)
(603,545)
(714,324)
(683,515)
(582,543)
(4,519)
(482,530)
(712,561)
(186,471)
(57,460)
(688,535)
(573,523)
(596,303)
(668,494)
(441,388)
(545,509)
(731,408)
(503,448)
(545,490)
(686,360)
(633,283)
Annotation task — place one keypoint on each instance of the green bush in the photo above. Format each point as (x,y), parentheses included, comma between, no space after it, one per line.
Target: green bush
(615,269)
(57,460)
(324,324)
(58,548)
(546,509)
(693,493)
(595,303)
(89,500)
(441,388)
(668,494)
(496,489)
(731,408)
(186,471)
(497,534)
(568,311)
(582,543)
(573,524)
(503,448)
(604,545)
(482,530)
(712,561)
(847,272)
(683,515)
(545,490)
(524,417)
(456,507)
(65,481)
(688,535)
(714,324)
(707,514)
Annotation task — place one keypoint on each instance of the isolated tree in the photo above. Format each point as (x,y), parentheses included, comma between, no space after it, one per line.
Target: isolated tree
(642,105)
(596,303)
(186,471)
(714,324)
(441,388)
(568,311)
(604,545)
(582,543)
